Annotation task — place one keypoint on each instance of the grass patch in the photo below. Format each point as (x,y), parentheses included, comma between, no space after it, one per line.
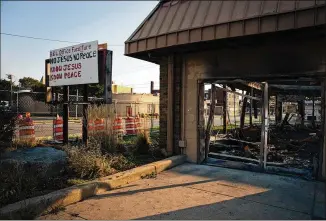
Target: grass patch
(26,144)
(104,155)
(228,127)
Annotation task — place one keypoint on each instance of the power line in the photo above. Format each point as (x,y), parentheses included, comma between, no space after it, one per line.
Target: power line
(124,73)
(44,39)
(137,68)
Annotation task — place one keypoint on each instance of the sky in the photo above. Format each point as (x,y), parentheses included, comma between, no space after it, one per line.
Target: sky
(110,22)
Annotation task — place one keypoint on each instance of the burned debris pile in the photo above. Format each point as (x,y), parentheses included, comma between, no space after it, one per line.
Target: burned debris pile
(288,146)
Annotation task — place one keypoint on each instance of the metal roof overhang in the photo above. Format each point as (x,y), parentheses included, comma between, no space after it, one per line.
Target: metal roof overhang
(172,24)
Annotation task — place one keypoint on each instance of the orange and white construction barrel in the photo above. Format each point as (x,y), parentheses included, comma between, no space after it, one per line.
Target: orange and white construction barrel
(138,124)
(58,129)
(26,130)
(91,126)
(130,126)
(117,126)
(99,125)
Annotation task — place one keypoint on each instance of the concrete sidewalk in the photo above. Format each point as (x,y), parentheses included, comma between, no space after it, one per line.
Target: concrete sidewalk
(194,191)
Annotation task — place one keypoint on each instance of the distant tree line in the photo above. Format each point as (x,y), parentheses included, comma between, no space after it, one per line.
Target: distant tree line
(94,90)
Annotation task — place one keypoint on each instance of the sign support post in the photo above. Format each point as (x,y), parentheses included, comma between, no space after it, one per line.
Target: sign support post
(85,114)
(82,64)
(65,113)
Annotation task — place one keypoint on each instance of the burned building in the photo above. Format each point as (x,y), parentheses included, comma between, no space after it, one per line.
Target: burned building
(266,48)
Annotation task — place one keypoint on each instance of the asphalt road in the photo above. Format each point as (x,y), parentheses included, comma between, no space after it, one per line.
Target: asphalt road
(45,128)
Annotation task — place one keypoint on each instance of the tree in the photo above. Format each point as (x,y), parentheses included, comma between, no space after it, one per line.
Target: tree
(4,84)
(31,83)
(96,90)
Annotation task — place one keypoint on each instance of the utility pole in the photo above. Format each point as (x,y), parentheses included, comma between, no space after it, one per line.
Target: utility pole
(77,103)
(19,85)
(10,78)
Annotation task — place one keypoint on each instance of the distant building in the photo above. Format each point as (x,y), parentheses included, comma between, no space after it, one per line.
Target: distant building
(124,100)
(133,104)
(120,89)
(233,102)
(155,92)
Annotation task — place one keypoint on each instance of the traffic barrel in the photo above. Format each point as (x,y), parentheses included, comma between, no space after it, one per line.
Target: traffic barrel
(91,126)
(99,125)
(138,125)
(26,130)
(130,126)
(58,129)
(117,126)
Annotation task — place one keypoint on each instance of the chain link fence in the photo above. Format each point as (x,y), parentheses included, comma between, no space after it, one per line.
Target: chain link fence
(43,114)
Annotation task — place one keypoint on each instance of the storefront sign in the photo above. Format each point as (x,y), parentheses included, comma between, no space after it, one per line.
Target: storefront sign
(74,65)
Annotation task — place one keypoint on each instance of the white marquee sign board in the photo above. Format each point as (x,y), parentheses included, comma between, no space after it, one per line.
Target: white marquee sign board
(74,65)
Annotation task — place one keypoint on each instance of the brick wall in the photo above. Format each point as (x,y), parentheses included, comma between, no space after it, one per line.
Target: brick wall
(177,103)
(163,101)
(177,95)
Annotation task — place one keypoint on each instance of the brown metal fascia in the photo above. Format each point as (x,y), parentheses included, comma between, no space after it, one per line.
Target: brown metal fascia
(315,13)
(209,5)
(179,3)
(232,11)
(192,21)
(146,19)
(215,25)
(295,14)
(272,14)
(245,16)
(184,15)
(219,13)
(230,17)
(149,30)
(167,11)
(262,3)
(277,15)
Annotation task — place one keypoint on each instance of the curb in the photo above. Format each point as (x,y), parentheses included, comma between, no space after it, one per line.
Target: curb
(35,206)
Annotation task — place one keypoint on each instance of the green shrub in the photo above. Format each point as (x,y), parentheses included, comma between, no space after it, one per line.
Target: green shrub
(105,141)
(7,129)
(87,162)
(142,143)
(18,182)
(121,163)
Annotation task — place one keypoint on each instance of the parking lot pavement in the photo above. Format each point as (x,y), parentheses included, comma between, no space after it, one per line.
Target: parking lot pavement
(192,191)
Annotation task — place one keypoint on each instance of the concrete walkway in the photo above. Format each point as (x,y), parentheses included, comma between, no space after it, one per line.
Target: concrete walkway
(203,192)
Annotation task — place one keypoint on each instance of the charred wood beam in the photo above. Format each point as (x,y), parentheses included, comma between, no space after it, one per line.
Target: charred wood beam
(251,105)
(255,104)
(278,110)
(210,121)
(313,122)
(264,128)
(243,112)
(285,120)
(301,106)
(224,109)
(234,92)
